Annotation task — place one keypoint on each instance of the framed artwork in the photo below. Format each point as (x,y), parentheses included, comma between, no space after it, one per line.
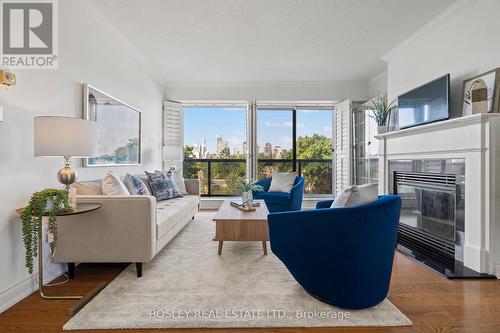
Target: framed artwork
(119,129)
(481,93)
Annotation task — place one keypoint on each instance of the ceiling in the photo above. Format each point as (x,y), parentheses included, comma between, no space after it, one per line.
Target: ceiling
(267,40)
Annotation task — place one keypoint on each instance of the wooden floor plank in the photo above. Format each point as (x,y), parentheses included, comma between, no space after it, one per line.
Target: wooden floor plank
(433,303)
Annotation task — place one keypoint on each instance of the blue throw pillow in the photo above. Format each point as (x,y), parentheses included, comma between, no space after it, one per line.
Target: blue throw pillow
(163,186)
(135,185)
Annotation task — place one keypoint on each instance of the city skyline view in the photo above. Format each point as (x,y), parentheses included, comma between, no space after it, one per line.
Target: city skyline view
(212,129)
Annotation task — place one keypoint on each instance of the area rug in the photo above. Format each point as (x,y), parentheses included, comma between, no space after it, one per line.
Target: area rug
(188,285)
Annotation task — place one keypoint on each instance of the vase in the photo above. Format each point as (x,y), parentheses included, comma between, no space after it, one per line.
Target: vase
(49,205)
(247,198)
(381,129)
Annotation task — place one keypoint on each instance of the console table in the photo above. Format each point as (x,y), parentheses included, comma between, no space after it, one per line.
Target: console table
(79,209)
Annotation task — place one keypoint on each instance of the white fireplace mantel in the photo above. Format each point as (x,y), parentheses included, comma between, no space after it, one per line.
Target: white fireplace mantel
(476,140)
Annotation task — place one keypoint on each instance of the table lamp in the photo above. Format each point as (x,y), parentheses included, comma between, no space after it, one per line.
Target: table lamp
(65,137)
(172,153)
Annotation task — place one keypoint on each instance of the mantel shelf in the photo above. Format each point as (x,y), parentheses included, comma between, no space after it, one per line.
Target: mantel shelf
(455,122)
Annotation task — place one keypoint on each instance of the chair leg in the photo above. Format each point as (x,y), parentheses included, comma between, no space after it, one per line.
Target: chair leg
(138,267)
(71,270)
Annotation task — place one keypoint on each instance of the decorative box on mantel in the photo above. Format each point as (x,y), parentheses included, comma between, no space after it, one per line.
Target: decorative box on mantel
(448,175)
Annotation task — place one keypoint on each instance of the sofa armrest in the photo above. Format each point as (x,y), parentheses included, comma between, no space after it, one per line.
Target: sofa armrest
(192,186)
(122,230)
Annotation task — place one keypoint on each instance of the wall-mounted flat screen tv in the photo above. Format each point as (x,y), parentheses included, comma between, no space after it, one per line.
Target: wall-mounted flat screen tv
(425,104)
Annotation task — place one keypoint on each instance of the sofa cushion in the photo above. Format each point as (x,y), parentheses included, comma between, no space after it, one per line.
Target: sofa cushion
(163,186)
(113,185)
(178,179)
(135,185)
(356,195)
(282,182)
(274,197)
(89,187)
(171,212)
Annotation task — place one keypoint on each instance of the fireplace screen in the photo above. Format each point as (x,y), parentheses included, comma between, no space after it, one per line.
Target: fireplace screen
(428,207)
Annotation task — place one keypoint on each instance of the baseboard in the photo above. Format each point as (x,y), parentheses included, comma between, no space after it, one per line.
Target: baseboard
(24,288)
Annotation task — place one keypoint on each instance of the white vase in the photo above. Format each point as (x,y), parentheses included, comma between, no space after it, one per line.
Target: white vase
(247,197)
(381,129)
(49,205)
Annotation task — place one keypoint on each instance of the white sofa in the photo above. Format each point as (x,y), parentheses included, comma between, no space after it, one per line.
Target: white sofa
(125,229)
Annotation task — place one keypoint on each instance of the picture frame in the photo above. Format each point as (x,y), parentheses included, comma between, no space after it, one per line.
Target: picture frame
(481,93)
(119,129)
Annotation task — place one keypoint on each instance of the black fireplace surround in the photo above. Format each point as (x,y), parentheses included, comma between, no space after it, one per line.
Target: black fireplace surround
(432,222)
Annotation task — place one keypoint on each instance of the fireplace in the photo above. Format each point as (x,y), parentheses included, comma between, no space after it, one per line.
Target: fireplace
(467,148)
(431,227)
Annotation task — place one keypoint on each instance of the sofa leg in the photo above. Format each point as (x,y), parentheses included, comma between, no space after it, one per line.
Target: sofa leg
(138,267)
(71,270)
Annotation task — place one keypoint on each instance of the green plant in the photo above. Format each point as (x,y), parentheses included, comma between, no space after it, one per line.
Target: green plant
(381,108)
(32,219)
(247,186)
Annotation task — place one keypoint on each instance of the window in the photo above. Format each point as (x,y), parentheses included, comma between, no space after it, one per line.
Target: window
(215,148)
(315,150)
(274,141)
(287,139)
(300,140)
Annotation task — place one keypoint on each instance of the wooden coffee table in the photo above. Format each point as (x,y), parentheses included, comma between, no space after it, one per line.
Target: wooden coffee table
(233,224)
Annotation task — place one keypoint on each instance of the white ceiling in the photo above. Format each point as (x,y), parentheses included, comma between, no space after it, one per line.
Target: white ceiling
(268,40)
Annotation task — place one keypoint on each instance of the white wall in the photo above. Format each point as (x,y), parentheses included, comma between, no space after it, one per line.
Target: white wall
(275,91)
(462,41)
(90,50)
(377,85)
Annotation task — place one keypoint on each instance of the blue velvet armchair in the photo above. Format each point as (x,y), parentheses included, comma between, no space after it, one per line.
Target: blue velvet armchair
(342,256)
(281,201)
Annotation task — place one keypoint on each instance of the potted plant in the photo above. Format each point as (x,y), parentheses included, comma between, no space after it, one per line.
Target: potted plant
(247,187)
(48,201)
(380,112)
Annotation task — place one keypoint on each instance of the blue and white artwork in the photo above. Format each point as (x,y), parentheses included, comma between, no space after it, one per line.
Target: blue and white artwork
(119,129)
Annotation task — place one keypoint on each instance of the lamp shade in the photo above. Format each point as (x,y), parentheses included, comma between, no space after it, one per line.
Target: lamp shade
(172,153)
(65,136)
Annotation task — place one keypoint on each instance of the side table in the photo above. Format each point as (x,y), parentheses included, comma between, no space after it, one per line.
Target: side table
(79,209)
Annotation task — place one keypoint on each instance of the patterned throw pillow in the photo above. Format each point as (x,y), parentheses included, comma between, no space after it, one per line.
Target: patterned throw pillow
(163,186)
(178,179)
(135,185)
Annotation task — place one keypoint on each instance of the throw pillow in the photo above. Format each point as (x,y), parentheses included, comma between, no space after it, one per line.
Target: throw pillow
(135,185)
(356,195)
(112,185)
(178,179)
(162,186)
(282,182)
(145,180)
(88,187)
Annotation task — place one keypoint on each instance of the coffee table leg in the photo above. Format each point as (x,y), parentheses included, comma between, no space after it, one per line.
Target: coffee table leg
(219,252)
(264,247)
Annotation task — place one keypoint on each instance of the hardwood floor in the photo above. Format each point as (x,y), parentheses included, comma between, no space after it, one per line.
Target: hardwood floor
(433,303)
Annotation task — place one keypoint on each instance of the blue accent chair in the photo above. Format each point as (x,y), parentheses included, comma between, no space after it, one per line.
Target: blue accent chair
(341,256)
(281,201)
